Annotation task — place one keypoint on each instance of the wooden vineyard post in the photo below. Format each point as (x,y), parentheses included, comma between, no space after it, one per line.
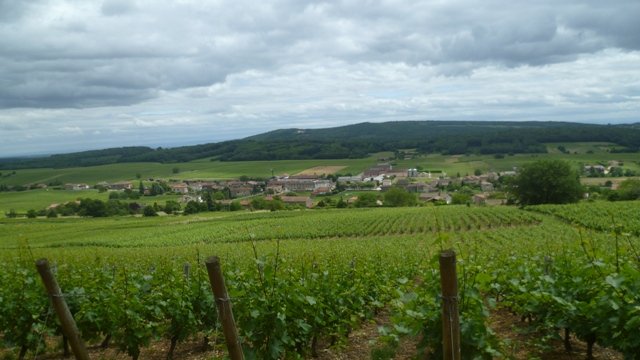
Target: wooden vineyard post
(450,319)
(224,308)
(69,328)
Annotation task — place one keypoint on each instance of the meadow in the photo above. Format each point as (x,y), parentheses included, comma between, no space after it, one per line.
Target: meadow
(199,169)
(579,154)
(22,201)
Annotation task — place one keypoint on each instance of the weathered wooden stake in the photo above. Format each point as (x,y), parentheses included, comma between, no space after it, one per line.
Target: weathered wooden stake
(224,308)
(69,328)
(186,270)
(450,319)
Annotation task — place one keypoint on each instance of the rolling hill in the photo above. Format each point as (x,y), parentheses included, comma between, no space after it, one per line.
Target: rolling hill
(359,140)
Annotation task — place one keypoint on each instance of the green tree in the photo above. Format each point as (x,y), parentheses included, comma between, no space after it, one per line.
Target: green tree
(546,182)
(51,213)
(367,200)
(460,198)
(171,206)
(93,208)
(149,211)
(31,214)
(629,189)
(235,206)
(191,208)
(156,189)
(258,203)
(399,197)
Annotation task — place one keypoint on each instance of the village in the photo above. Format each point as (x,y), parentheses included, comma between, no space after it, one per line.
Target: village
(310,188)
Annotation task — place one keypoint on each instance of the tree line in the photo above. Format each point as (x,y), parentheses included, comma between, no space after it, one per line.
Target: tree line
(360,140)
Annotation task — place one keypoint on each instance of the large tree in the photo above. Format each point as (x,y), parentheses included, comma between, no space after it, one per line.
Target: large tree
(547,182)
(629,189)
(399,197)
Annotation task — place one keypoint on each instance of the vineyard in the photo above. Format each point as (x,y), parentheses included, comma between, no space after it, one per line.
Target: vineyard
(607,217)
(303,281)
(220,228)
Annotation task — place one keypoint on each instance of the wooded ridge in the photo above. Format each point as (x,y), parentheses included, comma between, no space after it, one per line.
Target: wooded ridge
(359,140)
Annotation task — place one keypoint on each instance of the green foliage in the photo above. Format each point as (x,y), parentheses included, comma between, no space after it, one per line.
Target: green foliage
(460,198)
(232,227)
(600,216)
(260,203)
(157,189)
(399,197)
(235,206)
(629,189)
(318,282)
(368,199)
(11,214)
(149,211)
(194,207)
(171,206)
(546,182)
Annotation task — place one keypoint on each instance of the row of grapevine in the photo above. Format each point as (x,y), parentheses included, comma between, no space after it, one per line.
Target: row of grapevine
(292,294)
(284,305)
(337,223)
(619,216)
(587,284)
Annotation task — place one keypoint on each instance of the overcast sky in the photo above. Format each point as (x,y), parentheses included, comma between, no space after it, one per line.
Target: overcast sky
(83,74)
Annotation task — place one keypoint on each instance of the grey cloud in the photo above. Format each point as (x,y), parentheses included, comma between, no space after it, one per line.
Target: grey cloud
(14,10)
(117,7)
(118,52)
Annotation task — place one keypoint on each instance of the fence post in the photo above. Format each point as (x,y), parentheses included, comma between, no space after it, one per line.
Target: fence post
(450,319)
(186,269)
(224,308)
(69,328)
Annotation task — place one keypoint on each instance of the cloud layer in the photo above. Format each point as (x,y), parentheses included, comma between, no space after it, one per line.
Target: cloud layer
(86,74)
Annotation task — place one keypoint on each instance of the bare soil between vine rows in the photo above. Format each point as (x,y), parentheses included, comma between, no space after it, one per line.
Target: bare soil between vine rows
(520,344)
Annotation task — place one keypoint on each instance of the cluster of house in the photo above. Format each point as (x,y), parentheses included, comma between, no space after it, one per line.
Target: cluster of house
(433,191)
(380,177)
(601,169)
(300,183)
(236,188)
(122,185)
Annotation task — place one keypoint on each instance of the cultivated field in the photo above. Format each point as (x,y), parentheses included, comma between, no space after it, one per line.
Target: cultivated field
(321,170)
(301,281)
(199,169)
(579,154)
(22,201)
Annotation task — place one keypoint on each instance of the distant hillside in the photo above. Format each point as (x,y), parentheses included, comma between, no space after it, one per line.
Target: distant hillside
(359,140)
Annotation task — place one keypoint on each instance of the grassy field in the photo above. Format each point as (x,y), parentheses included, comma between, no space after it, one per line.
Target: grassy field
(200,169)
(580,153)
(467,164)
(41,198)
